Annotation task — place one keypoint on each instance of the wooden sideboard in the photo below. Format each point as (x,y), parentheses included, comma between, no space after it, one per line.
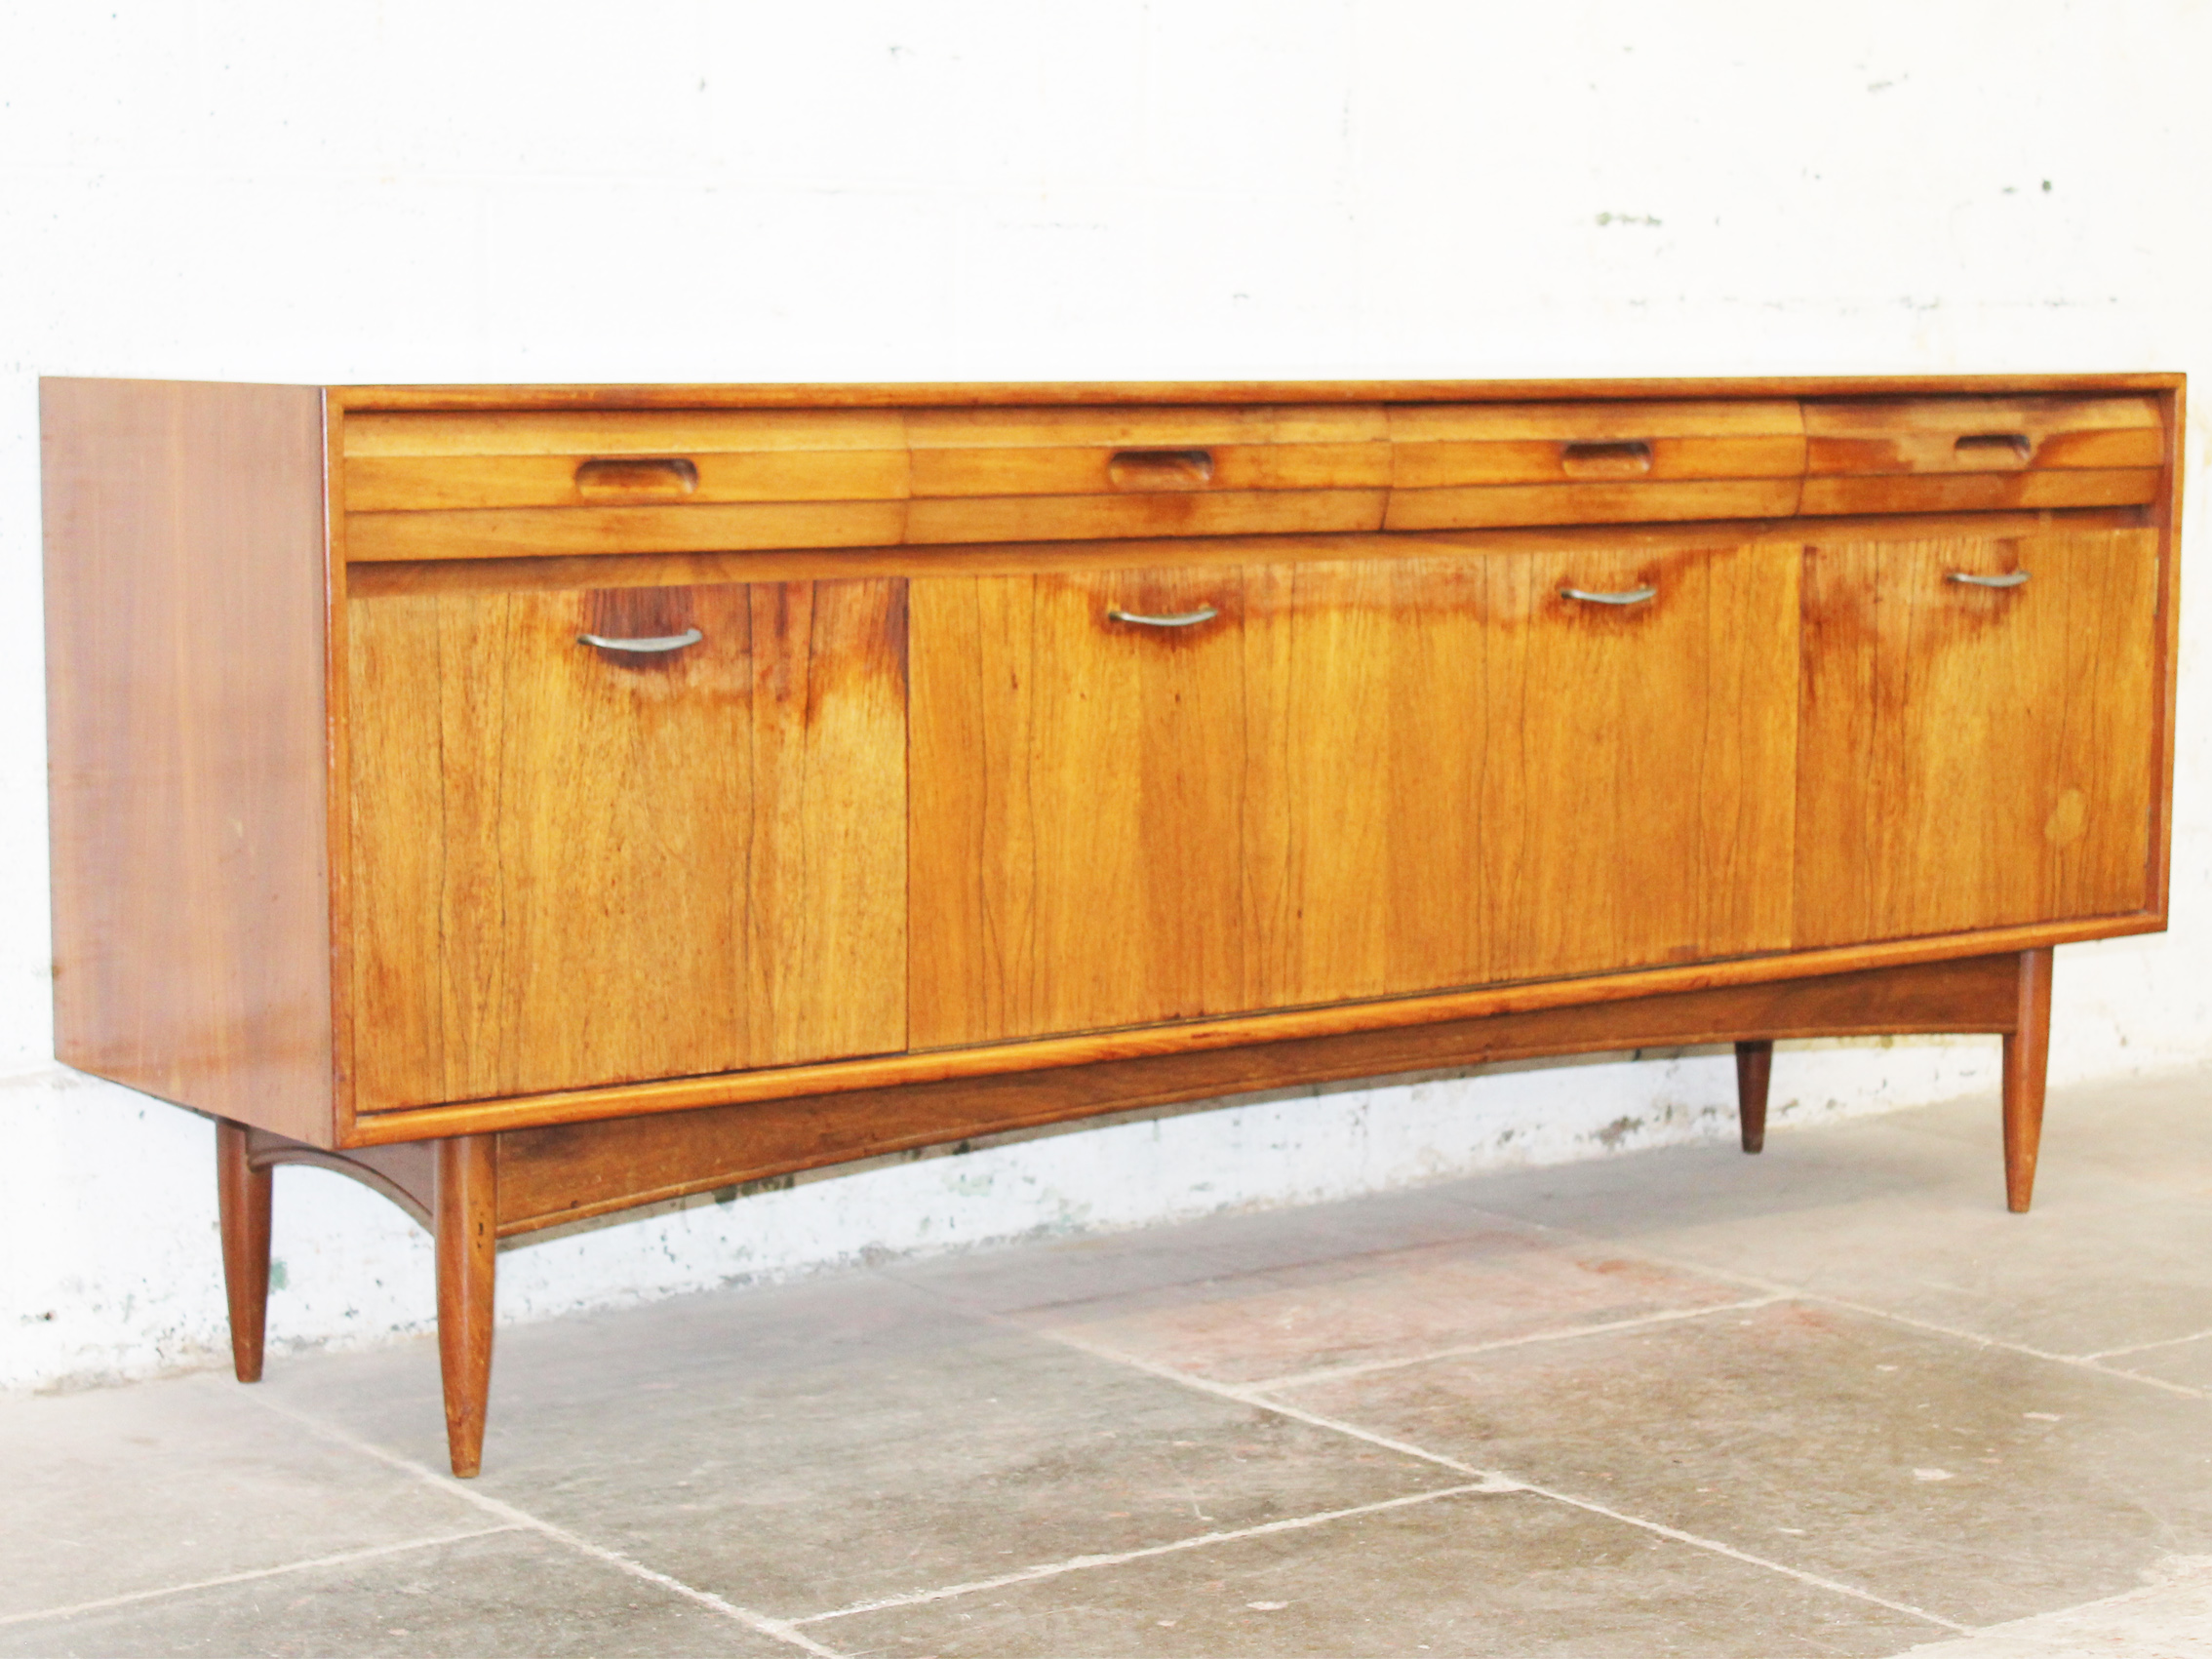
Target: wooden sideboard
(537,802)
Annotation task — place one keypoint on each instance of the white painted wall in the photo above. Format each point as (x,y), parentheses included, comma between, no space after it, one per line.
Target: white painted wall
(675,190)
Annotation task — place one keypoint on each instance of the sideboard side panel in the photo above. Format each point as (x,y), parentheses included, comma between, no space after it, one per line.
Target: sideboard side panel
(184,609)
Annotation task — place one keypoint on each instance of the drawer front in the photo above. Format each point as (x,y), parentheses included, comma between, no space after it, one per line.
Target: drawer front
(1061,474)
(1471,465)
(1964,455)
(471,486)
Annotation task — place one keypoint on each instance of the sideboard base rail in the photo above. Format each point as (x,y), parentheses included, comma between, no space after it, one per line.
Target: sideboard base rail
(472,1190)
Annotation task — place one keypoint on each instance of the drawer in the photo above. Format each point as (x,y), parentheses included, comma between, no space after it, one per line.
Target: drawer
(440,486)
(1468,465)
(1939,454)
(1058,474)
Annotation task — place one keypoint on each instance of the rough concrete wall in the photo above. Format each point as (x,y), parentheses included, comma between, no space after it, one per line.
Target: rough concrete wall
(688,190)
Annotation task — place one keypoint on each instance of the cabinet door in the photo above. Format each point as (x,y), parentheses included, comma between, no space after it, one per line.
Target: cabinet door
(1357,779)
(1077,803)
(576,865)
(1975,756)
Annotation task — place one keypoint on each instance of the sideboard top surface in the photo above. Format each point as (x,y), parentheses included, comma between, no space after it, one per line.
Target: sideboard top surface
(869,394)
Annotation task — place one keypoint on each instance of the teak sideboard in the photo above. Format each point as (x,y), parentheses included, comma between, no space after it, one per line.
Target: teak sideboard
(537,802)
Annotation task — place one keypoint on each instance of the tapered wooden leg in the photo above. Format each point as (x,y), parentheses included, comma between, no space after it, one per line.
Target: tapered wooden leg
(1754,1061)
(241,1202)
(468,1200)
(2026,1059)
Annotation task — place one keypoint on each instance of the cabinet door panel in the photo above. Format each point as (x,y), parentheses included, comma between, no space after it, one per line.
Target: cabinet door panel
(576,866)
(1362,780)
(1975,757)
(1076,798)
(1636,806)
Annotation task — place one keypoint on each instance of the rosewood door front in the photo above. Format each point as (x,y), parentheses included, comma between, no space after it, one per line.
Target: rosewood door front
(1354,779)
(1978,737)
(577,864)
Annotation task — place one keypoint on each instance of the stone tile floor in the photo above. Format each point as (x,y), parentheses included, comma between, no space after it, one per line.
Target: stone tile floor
(1829,1401)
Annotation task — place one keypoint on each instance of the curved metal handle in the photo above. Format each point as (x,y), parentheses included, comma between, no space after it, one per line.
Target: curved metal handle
(1634,596)
(656,642)
(2012,579)
(1187,620)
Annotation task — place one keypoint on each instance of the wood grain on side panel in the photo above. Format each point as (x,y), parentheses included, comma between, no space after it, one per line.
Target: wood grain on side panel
(576,862)
(184,717)
(1975,757)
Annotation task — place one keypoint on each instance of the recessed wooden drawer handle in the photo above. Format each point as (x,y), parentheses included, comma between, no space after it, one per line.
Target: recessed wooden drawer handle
(640,475)
(654,642)
(1185,620)
(2011,446)
(1160,469)
(1634,596)
(2011,579)
(1625,460)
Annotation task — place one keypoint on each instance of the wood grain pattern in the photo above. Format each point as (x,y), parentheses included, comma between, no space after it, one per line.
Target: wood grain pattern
(1015,558)
(2027,1062)
(1545,461)
(1040,1054)
(507,531)
(1175,425)
(412,482)
(2165,517)
(243,1216)
(644,431)
(1348,785)
(1073,471)
(1981,492)
(1074,782)
(185,622)
(1071,518)
(1918,435)
(467,1248)
(549,1175)
(1975,757)
(1591,503)
(1490,422)
(574,863)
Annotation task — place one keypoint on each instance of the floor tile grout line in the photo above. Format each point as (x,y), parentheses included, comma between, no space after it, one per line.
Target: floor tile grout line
(1084,1564)
(1746,1557)
(344,1558)
(778,1628)
(2146,1347)
(2077,1362)
(1501,1482)
(1282,1409)
(1786,1293)
(1565,1333)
